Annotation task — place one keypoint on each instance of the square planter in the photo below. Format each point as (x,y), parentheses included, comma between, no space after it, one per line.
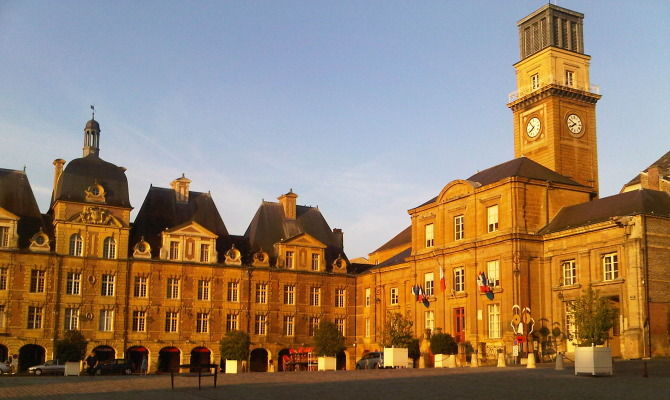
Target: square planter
(441,360)
(233,366)
(395,357)
(327,363)
(72,368)
(593,360)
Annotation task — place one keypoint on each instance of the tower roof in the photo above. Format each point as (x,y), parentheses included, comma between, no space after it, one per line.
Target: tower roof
(92,124)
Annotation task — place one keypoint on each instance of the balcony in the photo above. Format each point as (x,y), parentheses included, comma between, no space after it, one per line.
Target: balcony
(552,82)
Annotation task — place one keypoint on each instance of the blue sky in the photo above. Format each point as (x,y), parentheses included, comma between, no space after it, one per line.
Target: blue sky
(364,108)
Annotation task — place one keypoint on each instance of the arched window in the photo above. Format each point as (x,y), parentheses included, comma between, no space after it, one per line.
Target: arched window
(76,245)
(109,248)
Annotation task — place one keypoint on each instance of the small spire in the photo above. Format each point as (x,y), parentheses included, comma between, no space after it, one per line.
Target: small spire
(93,112)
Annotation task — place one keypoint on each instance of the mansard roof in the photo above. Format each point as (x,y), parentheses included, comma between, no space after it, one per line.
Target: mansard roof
(81,173)
(644,201)
(396,259)
(403,238)
(16,196)
(161,210)
(663,165)
(270,226)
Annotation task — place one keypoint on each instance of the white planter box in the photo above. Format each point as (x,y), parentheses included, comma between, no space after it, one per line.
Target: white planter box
(233,366)
(593,360)
(327,363)
(72,368)
(395,357)
(441,360)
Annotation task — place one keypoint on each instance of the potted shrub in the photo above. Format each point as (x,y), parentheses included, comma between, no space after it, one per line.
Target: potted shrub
(71,350)
(235,349)
(328,341)
(396,339)
(594,316)
(443,346)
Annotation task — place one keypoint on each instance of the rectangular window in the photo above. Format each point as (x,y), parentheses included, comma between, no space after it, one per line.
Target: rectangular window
(4,236)
(459,279)
(71,319)
(261,324)
(313,325)
(174,251)
(430,320)
(233,292)
(289,294)
(34,317)
(569,78)
(231,322)
(140,288)
(535,81)
(3,316)
(492,218)
(171,321)
(569,269)
(106,322)
(459,229)
(494,321)
(204,253)
(340,295)
(289,325)
(203,289)
(109,248)
(316,262)
(367,297)
(610,266)
(73,284)
(340,323)
(3,278)
(139,321)
(430,238)
(288,261)
(394,296)
(107,285)
(37,281)
(493,273)
(172,288)
(202,323)
(314,296)
(261,293)
(429,281)
(367,327)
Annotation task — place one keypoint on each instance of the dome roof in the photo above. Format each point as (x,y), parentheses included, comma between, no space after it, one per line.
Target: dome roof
(92,124)
(83,173)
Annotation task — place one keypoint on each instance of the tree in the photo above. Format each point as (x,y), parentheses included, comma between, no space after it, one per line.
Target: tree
(71,348)
(397,330)
(443,343)
(328,341)
(235,346)
(594,316)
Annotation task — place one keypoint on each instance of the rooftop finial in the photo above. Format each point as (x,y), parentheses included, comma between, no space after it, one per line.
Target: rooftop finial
(93,111)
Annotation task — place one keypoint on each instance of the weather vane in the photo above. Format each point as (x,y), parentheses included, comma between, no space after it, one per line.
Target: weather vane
(93,108)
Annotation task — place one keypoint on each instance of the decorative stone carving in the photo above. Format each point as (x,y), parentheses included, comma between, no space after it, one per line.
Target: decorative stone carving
(233,256)
(142,249)
(95,193)
(260,259)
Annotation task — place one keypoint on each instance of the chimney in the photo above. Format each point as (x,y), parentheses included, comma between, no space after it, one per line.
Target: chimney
(339,237)
(287,202)
(652,178)
(58,170)
(180,187)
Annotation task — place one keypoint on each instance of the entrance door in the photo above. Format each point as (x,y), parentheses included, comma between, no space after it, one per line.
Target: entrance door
(459,324)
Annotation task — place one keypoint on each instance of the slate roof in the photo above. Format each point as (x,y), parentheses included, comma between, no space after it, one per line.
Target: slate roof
(269,226)
(83,172)
(663,165)
(645,201)
(160,210)
(404,237)
(16,196)
(519,167)
(396,259)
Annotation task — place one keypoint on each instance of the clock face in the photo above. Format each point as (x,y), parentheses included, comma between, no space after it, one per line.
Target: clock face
(574,124)
(533,127)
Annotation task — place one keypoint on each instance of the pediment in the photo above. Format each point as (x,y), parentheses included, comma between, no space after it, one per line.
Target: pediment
(4,214)
(192,229)
(96,216)
(457,188)
(304,240)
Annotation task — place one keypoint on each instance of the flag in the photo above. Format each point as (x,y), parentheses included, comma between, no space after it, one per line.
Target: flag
(443,282)
(426,302)
(419,295)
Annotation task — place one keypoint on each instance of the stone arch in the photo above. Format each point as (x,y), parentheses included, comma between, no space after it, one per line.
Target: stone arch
(341,360)
(258,360)
(135,355)
(169,359)
(104,353)
(199,356)
(282,359)
(29,355)
(4,353)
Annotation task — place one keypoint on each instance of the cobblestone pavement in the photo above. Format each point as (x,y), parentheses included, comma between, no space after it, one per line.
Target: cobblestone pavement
(458,383)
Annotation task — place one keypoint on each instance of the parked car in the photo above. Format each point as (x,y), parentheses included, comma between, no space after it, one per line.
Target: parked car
(118,366)
(374,359)
(50,367)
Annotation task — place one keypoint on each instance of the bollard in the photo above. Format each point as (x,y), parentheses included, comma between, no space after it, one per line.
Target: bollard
(531,361)
(501,360)
(473,361)
(559,361)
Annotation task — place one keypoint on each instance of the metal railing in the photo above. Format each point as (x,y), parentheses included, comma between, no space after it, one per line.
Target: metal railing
(526,90)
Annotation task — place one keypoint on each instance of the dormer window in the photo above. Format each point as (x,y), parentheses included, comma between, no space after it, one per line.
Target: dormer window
(4,236)
(288,262)
(174,251)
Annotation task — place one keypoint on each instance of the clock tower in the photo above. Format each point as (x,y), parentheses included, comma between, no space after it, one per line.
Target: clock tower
(554,105)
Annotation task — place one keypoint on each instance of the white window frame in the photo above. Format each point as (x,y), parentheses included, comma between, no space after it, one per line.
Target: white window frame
(569,78)
(37,280)
(71,322)
(315,296)
(493,273)
(233,293)
(429,284)
(106,321)
(610,262)
(171,321)
(140,286)
(569,272)
(34,317)
(202,323)
(204,253)
(367,327)
(316,262)
(232,322)
(429,231)
(109,248)
(172,287)
(289,325)
(76,248)
(107,285)
(313,325)
(289,259)
(367,297)
(261,293)
(4,278)
(341,324)
(173,253)
(395,298)
(73,284)
(492,218)
(289,295)
(459,227)
(429,318)
(340,297)
(261,325)
(139,321)
(3,316)
(203,290)
(493,315)
(459,279)
(4,236)
(535,81)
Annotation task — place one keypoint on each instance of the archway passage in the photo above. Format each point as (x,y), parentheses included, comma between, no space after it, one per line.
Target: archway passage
(258,361)
(341,360)
(168,359)
(4,353)
(135,355)
(29,355)
(283,358)
(200,356)
(104,353)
